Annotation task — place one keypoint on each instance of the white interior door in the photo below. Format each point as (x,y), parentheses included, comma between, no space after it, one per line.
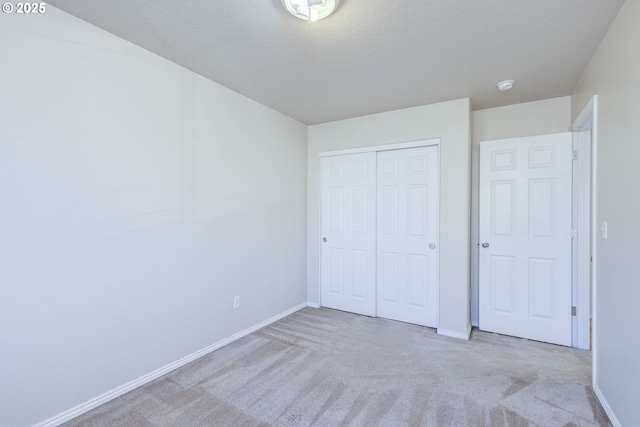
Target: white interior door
(525,237)
(407,237)
(348,232)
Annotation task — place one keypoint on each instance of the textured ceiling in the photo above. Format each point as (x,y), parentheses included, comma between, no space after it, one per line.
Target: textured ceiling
(369,56)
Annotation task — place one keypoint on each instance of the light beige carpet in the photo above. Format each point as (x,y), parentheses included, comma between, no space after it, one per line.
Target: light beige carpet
(330,368)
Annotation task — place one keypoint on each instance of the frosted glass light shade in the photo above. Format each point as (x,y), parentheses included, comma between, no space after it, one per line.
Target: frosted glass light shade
(307,9)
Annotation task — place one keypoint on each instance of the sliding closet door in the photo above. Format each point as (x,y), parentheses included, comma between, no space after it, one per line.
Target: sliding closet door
(348,232)
(407,235)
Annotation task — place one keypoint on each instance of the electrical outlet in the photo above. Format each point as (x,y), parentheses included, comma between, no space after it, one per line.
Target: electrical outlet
(236,301)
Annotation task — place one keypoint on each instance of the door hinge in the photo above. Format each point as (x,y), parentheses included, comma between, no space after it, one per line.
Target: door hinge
(574,233)
(575,155)
(573,311)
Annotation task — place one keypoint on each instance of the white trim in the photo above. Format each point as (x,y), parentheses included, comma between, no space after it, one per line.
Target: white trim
(439,188)
(396,146)
(456,334)
(319,230)
(313,304)
(581,240)
(606,406)
(594,218)
(584,244)
(125,388)
(589,118)
(574,239)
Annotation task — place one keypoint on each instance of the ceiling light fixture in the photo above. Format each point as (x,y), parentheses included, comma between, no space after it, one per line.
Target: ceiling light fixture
(505,85)
(310,10)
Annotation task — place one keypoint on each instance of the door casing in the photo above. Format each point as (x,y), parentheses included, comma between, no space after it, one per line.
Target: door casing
(585,331)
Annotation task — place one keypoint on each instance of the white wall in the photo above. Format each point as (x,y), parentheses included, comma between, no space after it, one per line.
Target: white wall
(136,199)
(527,119)
(614,75)
(449,121)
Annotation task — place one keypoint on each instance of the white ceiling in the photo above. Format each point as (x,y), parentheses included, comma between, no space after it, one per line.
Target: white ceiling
(370,55)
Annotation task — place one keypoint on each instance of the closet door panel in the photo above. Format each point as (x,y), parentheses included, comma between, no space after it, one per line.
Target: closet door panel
(347,253)
(407,237)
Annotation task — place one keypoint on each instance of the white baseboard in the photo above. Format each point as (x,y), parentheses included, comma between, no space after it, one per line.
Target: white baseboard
(125,388)
(456,334)
(313,304)
(606,407)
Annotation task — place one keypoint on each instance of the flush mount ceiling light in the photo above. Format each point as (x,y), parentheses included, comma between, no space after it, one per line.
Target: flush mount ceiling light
(505,85)
(310,10)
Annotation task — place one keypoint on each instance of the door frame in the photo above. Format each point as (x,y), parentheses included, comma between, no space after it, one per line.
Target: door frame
(584,265)
(368,149)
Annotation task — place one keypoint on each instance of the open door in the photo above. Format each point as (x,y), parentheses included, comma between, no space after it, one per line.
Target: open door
(525,237)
